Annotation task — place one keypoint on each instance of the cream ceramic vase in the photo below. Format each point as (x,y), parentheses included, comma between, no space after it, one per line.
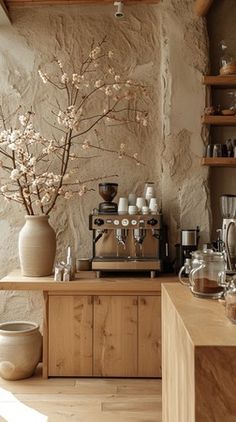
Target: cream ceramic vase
(37,246)
(20,349)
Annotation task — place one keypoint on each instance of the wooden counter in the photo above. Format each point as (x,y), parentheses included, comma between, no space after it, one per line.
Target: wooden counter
(98,327)
(198,358)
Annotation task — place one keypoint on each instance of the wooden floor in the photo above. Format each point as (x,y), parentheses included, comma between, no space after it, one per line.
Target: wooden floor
(80,400)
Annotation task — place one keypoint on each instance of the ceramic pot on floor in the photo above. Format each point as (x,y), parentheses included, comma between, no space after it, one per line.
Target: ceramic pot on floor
(20,349)
(37,246)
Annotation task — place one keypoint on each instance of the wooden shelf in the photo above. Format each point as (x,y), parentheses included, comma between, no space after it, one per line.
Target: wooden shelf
(220,81)
(219,120)
(219,162)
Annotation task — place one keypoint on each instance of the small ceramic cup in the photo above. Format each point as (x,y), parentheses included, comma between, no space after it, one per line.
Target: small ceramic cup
(145,210)
(123,206)
(140,202)
(132,209)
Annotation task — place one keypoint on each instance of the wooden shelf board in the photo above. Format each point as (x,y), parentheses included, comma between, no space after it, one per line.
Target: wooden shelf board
(220,81)
(219,162)
(219,120)
(16,3)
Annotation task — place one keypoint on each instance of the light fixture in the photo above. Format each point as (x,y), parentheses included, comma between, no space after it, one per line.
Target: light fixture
(120,9)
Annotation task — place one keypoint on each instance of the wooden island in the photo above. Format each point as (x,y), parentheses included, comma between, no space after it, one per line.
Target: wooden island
(198,358)
(108,327)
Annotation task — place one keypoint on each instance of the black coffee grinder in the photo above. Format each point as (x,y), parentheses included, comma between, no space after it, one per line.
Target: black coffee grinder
(108,192)
(188,243)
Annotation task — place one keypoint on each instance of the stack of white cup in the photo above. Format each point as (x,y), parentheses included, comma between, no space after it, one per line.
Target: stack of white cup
(133,204)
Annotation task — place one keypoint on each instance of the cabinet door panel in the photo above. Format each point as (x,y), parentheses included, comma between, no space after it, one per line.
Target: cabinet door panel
(70,335)
(115,336)
(149,336)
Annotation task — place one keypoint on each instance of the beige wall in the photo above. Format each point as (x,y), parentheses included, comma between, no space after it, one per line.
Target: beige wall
(163,45)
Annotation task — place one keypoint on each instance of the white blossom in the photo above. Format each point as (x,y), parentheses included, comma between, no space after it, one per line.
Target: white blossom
(68,194)
(64,78)
(15,174)
(4,188)
(95,53)
(23,119)
(86,144)
(43,76)
(108,91)
(98,83)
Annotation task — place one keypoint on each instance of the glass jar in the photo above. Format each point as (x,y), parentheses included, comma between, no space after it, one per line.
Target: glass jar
(225,57)
(230,302)
(204,280)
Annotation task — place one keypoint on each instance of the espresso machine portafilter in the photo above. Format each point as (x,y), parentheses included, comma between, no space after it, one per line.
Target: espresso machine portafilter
(228,210)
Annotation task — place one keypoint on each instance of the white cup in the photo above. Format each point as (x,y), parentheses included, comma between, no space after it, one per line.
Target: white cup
(153,201)
(145,210)
(140,202)
(123,206)
(150,190)
(149,196)
(153,206)
(154,209)
(132,199)
(132,209)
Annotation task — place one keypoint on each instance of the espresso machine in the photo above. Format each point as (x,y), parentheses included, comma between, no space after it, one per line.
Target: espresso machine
(228,235)
(126,242)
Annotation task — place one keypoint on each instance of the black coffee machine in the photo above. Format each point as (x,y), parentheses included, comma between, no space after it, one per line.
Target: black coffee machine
(189,240)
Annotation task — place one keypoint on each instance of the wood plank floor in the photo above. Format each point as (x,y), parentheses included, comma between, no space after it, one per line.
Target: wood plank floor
(80,400)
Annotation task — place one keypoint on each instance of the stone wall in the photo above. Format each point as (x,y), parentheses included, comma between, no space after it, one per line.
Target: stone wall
(165,46)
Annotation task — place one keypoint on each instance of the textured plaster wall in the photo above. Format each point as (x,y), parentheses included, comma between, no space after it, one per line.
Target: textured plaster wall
(166,47)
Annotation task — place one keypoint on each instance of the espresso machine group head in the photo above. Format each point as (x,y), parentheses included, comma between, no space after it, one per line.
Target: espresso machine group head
(126,242)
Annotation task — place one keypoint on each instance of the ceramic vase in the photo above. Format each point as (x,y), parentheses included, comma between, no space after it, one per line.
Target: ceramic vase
(37,246)
(20,349)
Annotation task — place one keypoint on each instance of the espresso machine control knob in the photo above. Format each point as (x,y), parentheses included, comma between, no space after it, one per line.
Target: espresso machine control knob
(99,221)
(125,222)
(152,222)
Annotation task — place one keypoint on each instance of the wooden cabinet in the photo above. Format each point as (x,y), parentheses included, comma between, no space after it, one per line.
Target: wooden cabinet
(70,321)
(105,335)
(218,82)
(115,336)
(149,336)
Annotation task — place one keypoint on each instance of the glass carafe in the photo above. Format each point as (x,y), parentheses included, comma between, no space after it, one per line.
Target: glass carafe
(204,277)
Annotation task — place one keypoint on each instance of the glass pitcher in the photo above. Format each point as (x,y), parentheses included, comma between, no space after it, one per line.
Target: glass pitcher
(203,277)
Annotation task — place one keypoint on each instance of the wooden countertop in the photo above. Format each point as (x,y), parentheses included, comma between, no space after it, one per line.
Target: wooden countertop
(85,282)
(203,319)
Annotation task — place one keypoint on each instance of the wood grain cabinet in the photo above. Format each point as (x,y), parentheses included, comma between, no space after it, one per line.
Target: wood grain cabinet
(107,336)
(70,321)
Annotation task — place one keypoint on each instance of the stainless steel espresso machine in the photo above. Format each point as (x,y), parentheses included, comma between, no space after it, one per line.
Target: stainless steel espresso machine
(126,242)
(228,210)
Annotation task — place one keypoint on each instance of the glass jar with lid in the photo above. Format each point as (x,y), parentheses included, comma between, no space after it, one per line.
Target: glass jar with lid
(206,265)
(230,301)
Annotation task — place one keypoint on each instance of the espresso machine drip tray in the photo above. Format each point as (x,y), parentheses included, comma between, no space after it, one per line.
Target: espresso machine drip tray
(127,264)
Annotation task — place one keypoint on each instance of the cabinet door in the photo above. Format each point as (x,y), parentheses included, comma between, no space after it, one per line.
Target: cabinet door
(149,336)
(70,336)
(115,336)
